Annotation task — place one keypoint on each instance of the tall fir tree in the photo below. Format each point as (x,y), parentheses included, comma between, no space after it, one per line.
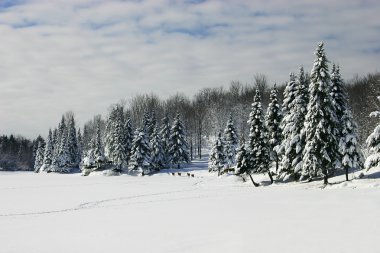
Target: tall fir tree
(157,154)
(217,158)
(72,143)
(321,148)
(152,123)
(115,137)
(351,157)
(273,121)
(128,137)
(165,138)
(140,153)
(231,142)
(48,155)
(373,144)
(178,150)
(55,147)
(293,142)
(38,162)
(63,154)
(97,148)
(258,140)
(80,146)
(242,163)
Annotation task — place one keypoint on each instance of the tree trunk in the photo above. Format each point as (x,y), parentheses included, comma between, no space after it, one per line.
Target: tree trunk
(178,166)
(276,163)
(270,176)
(253,182)
(191,148)
(325,179)
(346,173)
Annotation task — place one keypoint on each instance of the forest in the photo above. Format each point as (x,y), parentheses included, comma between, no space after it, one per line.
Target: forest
(142,132)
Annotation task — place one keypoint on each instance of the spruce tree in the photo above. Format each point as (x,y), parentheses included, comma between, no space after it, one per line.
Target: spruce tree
(321,146)
(373,145)
(72,143)
(115,137)
(242,163)
(231,142)
(97,148)
(178,146)
(152,123)
(80,146)
(38,162)
(273,121)
(258,140)
(293,142)
(351,156)
(157,155)
(63,154)
(140,153)
(48,155)
(217,158)
(165,138)
(128,137)
(55,148)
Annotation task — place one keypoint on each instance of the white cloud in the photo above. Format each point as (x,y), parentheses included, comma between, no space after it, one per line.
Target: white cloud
(85,55)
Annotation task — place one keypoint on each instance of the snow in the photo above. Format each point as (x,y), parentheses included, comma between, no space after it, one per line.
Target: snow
(164,213)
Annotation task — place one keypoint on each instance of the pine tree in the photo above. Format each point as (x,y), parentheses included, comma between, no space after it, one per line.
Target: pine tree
(321,143)
(152,123)
(351,156)
(80,146)
(115,137)
(55,148)
(231,142)
(242,163)
(38,162)
(217,158)
(140,153)
(63,154)
(72,143)
(48,155)
(258,140)
(292,124)
(97,149)
(178,146)
(128,137)
(273,121)
(157,155)
(165,139)
(146,122)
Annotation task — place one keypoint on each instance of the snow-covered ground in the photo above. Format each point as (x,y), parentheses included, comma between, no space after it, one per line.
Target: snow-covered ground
(48,213)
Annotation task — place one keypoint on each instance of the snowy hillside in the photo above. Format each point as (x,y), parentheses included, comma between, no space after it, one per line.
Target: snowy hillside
(164,213)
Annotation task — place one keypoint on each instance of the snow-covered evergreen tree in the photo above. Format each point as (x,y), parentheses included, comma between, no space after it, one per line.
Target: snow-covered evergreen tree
(48,155)
(351,157)
(217,158)
(152,123)
(373,144)
(258,139)
(165,138)
(146,122)
(178,146)
(63,154)
(321,146)
(128,137)
(115,137)
(157,155)
(72,143)
(242,163)
(38,162)
(80,146)
(293,142)
(140,153)
(273,121)
(231,142)
(97,148)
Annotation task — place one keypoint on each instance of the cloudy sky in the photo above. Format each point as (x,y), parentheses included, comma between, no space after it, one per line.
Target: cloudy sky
(83,55)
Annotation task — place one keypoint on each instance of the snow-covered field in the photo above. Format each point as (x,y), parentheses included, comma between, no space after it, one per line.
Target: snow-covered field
(48,213)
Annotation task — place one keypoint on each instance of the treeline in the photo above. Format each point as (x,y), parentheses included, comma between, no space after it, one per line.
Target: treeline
(204,115)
